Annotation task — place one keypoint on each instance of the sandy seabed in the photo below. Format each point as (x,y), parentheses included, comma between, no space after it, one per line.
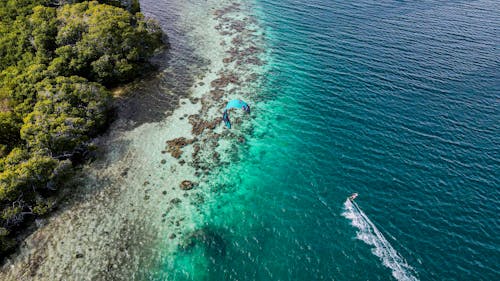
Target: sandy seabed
(146,187)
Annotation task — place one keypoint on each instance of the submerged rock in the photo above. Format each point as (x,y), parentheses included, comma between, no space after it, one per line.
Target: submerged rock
(124,172)
(186,185)
(216,156)
(238,25)
(254,60)
(175,201)
(237,40)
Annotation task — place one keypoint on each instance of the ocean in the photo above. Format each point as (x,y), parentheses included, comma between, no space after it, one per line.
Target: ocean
(398,101)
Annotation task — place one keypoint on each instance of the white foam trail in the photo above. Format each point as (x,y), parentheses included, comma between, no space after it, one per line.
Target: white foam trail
(369,233)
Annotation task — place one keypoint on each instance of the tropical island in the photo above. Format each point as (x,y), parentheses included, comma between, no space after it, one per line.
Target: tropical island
(58,62)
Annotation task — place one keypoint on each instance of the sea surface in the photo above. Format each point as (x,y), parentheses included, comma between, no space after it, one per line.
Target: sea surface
(398,101)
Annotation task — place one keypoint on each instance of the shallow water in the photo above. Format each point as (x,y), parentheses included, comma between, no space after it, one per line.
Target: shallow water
(398,101)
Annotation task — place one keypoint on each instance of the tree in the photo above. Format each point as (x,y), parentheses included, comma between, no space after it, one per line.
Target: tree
(18,87)
(6,243)
(69,110)
(14,41)
(43,25)
(10,125)
(22,182)
(103,43)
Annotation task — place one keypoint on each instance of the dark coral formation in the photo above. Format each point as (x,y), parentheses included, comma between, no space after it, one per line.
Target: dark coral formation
(175,145)
(199,125)
(224,80)
(234,7)
(187,185)
(217,94)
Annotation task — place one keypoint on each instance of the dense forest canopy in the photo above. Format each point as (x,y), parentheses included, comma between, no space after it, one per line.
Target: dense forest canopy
(57,59)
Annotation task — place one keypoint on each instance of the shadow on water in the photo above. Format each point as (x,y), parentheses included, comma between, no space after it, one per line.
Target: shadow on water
(199,256)
(209,238)
(153,98)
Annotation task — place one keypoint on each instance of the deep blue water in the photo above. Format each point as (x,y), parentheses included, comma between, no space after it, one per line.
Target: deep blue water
(396,100)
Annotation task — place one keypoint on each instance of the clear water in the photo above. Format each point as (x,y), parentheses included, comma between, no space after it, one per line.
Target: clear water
(398,101)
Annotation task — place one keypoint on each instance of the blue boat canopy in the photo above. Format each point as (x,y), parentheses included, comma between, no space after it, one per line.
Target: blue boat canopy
(234,104)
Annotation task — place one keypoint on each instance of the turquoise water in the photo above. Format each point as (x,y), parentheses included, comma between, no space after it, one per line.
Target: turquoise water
(398,101)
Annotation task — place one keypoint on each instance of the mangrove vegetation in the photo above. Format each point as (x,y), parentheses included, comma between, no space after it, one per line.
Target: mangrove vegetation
(58,60)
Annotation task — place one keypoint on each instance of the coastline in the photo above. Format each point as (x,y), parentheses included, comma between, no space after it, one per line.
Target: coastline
(129,201)
(394,101)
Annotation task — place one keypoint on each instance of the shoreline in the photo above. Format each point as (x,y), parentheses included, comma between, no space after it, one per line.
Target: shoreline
(129,201)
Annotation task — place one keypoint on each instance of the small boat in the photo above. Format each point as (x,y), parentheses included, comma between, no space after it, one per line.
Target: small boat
(353,196)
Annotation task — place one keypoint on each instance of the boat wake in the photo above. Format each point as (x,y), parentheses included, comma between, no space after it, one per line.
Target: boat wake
(369,233)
